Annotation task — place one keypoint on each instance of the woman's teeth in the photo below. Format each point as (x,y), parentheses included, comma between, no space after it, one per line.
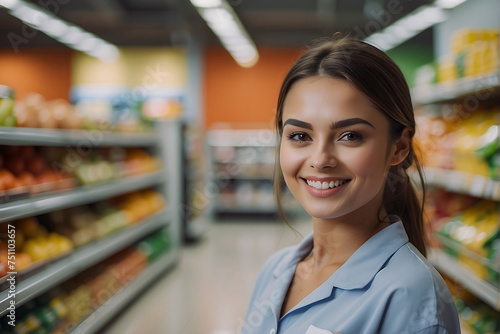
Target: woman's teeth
(326,185)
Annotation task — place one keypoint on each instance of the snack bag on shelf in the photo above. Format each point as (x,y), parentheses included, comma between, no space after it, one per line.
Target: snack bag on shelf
(475,51)
(470,136)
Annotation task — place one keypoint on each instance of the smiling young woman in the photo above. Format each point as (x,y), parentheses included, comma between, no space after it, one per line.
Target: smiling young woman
(346,125)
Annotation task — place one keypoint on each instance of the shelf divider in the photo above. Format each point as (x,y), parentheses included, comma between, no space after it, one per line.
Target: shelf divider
(52,201)
(83,258)
(461,182)
(483,86)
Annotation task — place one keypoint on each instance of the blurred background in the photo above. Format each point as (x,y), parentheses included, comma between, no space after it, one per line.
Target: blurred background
(137,152)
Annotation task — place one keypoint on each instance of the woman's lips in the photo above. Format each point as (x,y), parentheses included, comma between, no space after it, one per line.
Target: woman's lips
(324,187)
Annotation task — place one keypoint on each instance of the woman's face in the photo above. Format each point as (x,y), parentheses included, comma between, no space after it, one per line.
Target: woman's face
(334,151)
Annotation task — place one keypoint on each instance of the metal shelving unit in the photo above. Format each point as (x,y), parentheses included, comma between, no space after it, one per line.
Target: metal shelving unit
(236,158)
(52,201)
(482,289)
(247,209)
(167,181)
(483,86)
(479,88)
(81,259)
(463,183)
(87,138)
(113,305)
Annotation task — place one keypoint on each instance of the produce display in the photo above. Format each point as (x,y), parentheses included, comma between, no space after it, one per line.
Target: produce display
(33,111)
(461,140)
(34,244)
(7,117)
(28,170)
(64,307)
(49,236)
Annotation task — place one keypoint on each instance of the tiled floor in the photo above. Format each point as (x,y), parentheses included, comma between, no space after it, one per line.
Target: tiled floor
(208,291)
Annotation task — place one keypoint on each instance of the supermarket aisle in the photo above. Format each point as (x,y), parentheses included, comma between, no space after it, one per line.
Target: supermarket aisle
(208,291)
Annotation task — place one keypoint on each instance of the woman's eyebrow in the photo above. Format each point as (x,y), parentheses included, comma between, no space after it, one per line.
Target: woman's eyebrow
(300,124)
(348,122)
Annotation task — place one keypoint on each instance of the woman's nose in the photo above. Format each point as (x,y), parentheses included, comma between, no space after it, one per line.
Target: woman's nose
(323,157)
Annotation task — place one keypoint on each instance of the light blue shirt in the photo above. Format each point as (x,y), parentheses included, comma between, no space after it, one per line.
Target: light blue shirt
(385,287)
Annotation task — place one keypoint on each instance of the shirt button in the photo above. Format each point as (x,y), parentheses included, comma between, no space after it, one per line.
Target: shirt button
(273,331)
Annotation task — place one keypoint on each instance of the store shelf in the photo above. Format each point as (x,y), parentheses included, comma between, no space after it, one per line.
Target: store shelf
(247,178)
(481,86)
(113,305)
(244,163)
(52,201)
(242,138)
(461,249)
(463,183)
(80,138)
(82,258)
(450,267)
(246,209)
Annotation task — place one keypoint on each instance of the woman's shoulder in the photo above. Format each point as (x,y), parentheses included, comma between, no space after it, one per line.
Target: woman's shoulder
(408,276)
(409,271)
(409,267)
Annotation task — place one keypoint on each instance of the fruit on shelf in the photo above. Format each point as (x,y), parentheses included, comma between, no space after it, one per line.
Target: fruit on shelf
(23,260)
(34,242)
(139,161)
(7,117)
(95,172)
(25,168)
(139,205)
(35,112)
(3,259)
(7,180)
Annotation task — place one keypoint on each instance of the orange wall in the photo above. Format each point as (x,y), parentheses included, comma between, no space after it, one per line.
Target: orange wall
(244,95)
(45,71)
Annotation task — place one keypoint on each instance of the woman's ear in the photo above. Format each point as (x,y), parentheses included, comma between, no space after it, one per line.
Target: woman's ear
(402,147)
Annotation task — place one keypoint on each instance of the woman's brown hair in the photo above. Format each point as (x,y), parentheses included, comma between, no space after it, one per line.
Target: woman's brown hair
(376,75)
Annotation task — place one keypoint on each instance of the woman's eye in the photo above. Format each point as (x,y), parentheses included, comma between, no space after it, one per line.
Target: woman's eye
(298,136)
(351,136)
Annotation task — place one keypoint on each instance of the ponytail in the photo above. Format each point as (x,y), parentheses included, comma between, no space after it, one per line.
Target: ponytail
(401,199)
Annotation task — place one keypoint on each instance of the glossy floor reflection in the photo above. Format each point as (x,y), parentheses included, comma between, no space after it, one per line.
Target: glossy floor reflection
(209,289)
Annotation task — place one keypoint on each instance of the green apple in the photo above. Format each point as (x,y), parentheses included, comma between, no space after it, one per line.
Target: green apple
(6,109)
(10,121)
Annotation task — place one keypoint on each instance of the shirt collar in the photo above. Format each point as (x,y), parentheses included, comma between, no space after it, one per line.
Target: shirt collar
(363,264)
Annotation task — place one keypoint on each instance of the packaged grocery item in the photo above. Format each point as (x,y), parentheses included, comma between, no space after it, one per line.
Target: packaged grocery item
(7,117)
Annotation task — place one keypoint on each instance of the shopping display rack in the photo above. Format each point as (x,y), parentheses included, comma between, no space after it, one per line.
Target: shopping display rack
(165,142)
(485,88)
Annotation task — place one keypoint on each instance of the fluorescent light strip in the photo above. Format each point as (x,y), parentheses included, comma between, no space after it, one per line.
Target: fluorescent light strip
(226,25)
(412,24)
(62,31)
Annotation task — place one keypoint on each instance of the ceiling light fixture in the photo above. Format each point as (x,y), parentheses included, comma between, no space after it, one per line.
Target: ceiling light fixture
(412,24)
(225,24)
(62,31)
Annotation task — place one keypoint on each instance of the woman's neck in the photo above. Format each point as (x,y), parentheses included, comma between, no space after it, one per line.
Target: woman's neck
(335,240)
